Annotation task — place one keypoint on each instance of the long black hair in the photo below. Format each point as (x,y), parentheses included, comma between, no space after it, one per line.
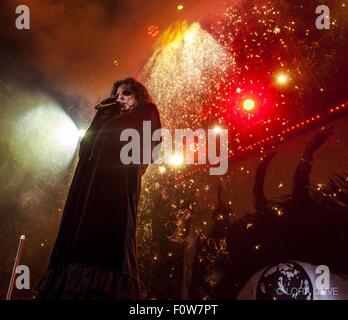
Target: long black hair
(141,93)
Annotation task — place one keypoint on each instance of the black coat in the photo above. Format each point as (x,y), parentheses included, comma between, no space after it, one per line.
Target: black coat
(96,243)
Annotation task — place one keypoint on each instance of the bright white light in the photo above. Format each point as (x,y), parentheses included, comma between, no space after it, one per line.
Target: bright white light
(176,159)
(191,32)
(282,78)
(82,132)
(66,133)
(48,136)
(217,129)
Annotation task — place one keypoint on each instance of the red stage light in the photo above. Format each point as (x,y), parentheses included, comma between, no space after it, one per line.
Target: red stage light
(248,104)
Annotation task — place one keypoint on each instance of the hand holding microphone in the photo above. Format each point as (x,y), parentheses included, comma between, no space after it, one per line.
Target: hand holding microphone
(109,103)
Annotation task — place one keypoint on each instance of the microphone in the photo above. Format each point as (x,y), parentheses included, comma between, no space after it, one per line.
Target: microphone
(109,103)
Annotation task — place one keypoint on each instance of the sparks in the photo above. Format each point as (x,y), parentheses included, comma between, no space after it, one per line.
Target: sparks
(153,31)
(162,169)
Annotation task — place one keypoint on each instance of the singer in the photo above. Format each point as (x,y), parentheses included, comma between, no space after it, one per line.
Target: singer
(94,256)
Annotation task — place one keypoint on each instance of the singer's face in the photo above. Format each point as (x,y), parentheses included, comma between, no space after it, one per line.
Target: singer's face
(126,96)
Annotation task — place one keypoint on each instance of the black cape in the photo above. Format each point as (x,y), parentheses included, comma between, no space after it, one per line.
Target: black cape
(95,251)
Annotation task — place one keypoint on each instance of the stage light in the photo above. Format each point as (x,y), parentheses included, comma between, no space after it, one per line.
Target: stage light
(217,129)
(48,135)
(248,104)
(65,133)
(180,7)
(282,78)
(82,132)
(176,159)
